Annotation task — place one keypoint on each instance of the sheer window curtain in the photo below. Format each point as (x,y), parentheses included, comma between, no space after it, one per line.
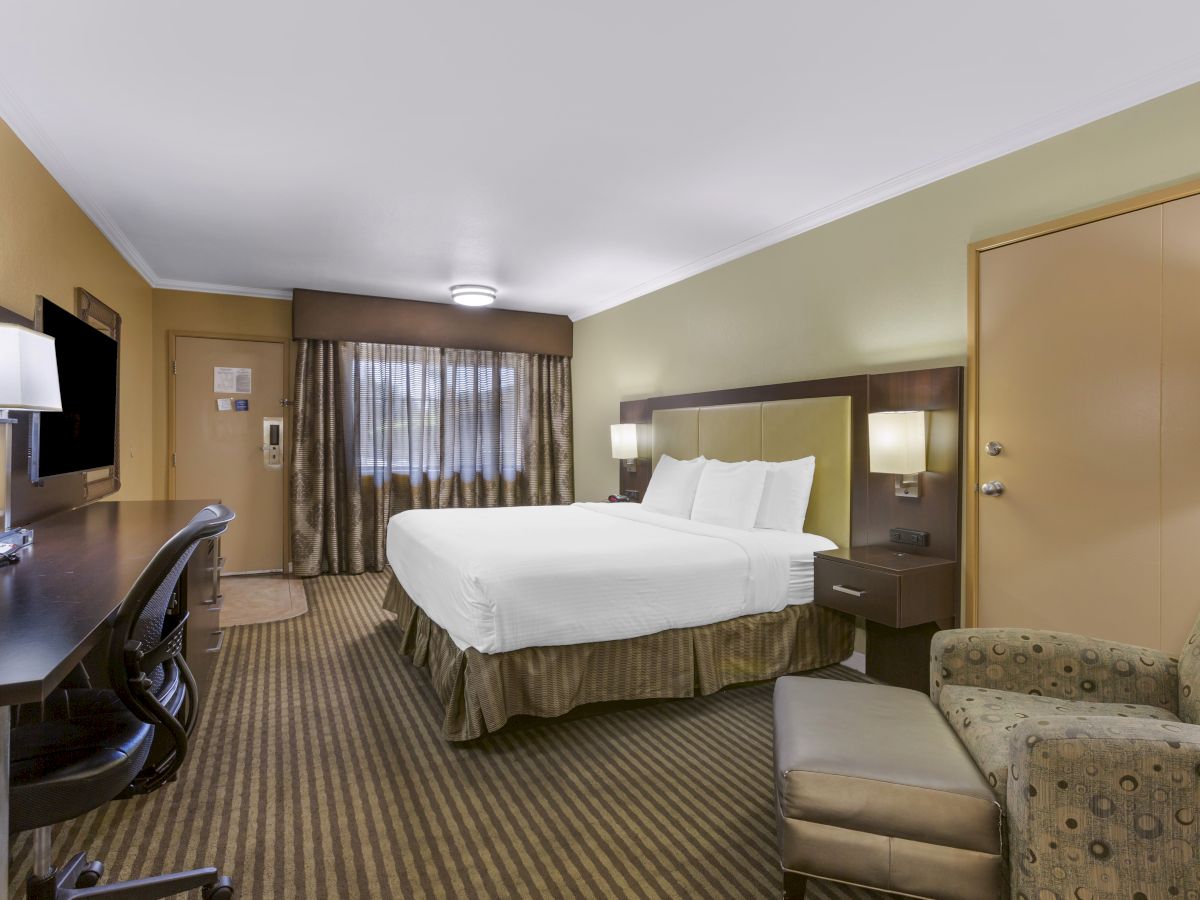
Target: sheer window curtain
(381,428)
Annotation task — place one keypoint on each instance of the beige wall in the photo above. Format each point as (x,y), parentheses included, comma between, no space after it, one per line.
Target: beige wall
(882,289)
(48,246)
(216,314)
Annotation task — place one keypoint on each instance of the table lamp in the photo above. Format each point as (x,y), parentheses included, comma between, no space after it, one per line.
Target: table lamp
(28,383)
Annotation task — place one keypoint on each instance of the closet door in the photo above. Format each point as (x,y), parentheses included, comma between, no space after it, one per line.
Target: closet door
(1069,348)
(1181,420)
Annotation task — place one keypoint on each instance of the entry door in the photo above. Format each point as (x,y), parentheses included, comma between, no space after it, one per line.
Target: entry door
(227,395)
(1069,387)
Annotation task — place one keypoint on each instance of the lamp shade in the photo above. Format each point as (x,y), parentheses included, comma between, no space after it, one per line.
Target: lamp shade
(28,370)
(897,442)
(624,441)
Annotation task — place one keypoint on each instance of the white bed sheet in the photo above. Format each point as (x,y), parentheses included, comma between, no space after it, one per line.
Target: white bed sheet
(503,579)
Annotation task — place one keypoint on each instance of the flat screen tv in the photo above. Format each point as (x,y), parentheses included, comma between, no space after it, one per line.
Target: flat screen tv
(84,435)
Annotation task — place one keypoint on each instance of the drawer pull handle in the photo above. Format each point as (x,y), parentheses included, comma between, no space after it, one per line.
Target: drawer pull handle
(853,592)
(216,648)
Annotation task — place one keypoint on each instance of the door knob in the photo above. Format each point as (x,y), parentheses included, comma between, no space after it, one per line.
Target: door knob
(992,488)
(993,448)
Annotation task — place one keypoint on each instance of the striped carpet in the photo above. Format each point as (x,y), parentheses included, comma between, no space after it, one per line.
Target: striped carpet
(320,772)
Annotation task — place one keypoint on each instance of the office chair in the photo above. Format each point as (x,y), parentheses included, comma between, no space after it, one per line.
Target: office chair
(84,747)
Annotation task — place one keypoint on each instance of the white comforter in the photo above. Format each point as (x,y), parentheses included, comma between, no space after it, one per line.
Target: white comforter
(503,579)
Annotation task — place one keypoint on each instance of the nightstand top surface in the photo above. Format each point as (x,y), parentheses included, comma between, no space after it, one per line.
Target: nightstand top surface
(883,557)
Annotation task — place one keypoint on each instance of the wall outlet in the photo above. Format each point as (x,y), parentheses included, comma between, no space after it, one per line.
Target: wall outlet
(909,536)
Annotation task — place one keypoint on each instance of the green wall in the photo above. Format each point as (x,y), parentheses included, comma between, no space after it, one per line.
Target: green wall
(883,289)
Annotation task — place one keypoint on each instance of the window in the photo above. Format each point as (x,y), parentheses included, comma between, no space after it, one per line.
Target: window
(429,413)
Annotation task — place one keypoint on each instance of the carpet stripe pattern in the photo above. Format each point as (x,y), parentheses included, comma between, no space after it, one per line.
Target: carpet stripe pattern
(319,771)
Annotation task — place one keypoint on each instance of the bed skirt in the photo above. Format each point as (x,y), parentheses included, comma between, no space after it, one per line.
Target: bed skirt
(482,691)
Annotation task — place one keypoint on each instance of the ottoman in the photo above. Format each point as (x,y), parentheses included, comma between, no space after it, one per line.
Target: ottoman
(873,788)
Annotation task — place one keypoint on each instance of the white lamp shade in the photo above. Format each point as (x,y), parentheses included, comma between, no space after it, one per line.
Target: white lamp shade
(897,442)
(624,442)
(28,370)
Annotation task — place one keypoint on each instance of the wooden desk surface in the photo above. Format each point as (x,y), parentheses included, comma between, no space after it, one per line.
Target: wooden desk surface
(55,603)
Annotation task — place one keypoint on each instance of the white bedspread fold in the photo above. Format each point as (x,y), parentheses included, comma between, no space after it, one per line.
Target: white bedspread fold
(504,579)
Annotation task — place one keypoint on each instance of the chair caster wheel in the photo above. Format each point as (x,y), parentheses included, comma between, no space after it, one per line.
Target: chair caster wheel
(221,889)
(90,875)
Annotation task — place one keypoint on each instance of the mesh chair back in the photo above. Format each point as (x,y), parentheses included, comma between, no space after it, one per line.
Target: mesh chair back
(146,664)
(148,626)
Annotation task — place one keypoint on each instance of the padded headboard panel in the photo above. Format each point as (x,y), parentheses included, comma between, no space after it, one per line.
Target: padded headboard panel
(777,430)
(675,433)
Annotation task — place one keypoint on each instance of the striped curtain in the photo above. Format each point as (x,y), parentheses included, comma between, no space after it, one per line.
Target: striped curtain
(381,428)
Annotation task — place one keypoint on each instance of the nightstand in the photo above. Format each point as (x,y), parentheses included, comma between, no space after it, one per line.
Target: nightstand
(900,595)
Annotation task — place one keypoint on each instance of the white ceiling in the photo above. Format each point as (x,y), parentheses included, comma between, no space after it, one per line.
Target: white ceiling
(575,155)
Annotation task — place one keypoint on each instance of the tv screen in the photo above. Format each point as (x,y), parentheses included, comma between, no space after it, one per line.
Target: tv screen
(84,435)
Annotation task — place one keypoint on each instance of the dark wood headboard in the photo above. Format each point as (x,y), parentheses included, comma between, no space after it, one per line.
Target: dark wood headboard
(874,506)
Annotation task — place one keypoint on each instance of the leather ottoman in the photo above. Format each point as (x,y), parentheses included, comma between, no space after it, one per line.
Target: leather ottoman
(873,788)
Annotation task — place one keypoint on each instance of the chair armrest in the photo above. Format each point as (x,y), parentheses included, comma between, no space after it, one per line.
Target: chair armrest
(1101,806)
(1053,664)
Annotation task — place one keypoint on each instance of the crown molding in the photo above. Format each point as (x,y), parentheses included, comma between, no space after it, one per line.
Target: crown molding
(30,132)
(27,129)
(1139,90)
(204,287)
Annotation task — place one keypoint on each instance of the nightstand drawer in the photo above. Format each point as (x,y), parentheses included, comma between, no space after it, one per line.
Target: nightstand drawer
(857,590)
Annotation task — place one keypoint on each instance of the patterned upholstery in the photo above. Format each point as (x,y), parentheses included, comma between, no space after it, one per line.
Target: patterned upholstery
(1079,739)
(985,720)
(1104,807)
(1189,678)
(1067,666)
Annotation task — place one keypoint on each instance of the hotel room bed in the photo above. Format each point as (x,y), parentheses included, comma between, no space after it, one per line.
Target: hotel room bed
(500,580)
(563,606)
(538,610)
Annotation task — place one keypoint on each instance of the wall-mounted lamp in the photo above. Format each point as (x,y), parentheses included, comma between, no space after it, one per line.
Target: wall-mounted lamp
(624,445)
(898,448)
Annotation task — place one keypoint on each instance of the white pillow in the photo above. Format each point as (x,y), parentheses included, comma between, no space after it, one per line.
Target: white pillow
(785,495)
(672,487)
(729,494)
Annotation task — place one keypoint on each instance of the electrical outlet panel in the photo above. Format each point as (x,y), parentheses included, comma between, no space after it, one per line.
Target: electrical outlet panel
(909,536)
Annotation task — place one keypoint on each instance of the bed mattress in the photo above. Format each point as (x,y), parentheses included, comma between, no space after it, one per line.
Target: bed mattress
(504,579)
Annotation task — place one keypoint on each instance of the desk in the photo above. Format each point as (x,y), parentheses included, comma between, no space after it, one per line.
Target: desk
(57,603)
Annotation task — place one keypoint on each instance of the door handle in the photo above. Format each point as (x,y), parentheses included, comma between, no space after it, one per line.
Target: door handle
(992,488)
(846,589)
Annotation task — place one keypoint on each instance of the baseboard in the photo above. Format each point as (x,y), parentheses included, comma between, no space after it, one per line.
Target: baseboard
(856,661)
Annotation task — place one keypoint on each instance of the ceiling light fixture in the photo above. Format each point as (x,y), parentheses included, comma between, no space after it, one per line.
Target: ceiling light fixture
(472,294)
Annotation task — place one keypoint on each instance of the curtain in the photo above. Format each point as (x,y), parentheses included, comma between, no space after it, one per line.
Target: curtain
(381,428)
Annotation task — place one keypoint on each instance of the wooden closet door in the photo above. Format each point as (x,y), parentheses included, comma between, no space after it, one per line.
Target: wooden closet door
(1069,384)
(1181,421)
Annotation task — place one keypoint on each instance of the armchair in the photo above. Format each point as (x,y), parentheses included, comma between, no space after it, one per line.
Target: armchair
(1093,750)
(1053,664)
(1104,806)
